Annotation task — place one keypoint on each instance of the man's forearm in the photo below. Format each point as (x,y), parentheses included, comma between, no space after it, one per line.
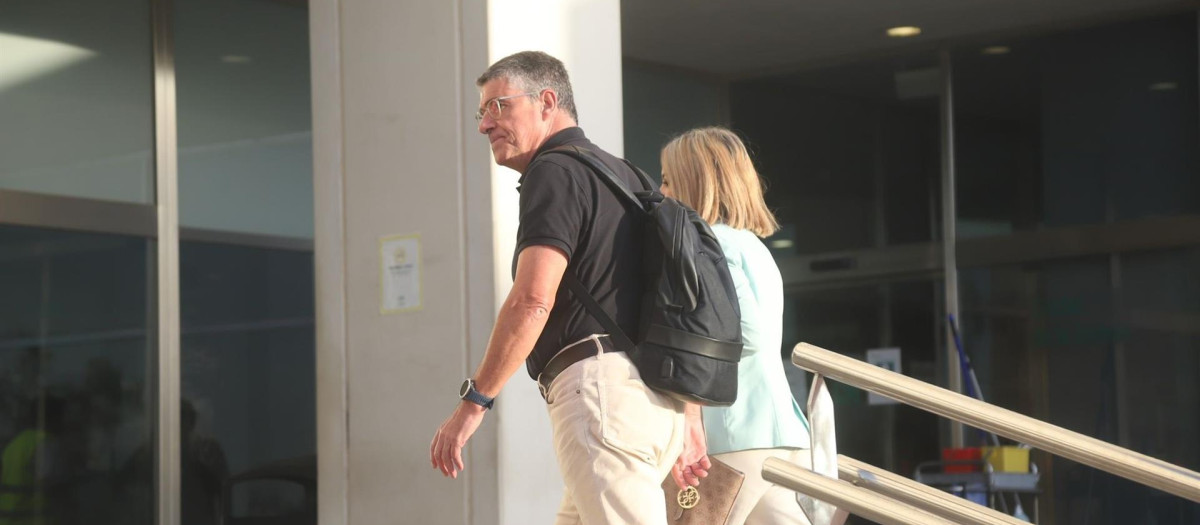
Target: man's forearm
(518,327)
(522,317)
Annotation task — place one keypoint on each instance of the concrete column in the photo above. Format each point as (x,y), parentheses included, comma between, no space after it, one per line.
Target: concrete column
(396,152)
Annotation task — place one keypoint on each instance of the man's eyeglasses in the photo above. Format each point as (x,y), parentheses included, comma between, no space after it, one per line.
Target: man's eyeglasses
(493,108)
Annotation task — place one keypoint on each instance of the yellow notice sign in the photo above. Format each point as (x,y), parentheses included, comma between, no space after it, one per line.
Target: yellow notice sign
(400,273)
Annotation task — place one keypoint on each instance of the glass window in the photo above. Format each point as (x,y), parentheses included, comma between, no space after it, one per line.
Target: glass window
(1085,127)
(851,154)
(77,401)
(1088,126)
(248,371)
(1105,346)
(660,104)
(851,320)
(267,497)
(77,99)
(245,119)
(248,348)
(1159,316)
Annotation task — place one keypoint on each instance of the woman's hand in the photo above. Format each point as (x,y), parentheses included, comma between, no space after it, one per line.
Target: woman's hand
(693,463)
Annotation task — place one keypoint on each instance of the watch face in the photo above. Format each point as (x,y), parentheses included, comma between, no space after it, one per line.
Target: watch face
(466,387)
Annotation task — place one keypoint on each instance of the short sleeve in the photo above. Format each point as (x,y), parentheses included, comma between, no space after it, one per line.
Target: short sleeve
(551,208)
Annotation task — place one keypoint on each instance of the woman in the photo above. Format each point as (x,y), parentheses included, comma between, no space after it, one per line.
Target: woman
(709,170)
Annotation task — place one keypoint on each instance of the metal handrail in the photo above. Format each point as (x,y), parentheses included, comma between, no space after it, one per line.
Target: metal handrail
(1056,440)
(919,495)
(856,500)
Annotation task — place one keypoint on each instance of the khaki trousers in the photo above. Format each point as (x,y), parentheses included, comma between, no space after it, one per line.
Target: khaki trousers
(761,502)
(616,440)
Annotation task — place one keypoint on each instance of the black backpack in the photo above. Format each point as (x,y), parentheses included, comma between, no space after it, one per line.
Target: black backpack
(689,340)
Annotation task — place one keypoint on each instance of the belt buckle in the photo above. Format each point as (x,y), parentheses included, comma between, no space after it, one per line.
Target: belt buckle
(542,388)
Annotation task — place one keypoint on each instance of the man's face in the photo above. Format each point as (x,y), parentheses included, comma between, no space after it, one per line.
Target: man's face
(521,128)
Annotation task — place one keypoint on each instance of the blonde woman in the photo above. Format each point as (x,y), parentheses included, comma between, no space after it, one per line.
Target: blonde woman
(709,170)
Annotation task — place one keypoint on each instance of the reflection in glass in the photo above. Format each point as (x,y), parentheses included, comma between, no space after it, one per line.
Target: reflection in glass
(248,349)
(76,398)
(248,359)
(76,99)
(245,124)
(284,490)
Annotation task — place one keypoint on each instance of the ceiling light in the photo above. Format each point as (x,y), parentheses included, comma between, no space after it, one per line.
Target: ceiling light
(903,31)
(996,50)
(781,244)
(236,59)
(1164,86)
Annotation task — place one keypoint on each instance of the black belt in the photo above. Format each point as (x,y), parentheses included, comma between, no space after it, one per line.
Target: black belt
(569,356)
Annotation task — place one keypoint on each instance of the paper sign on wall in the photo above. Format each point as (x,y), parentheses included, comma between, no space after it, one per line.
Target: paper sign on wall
(400,267)
(888,359)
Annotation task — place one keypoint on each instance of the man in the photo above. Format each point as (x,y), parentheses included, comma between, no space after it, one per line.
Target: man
(615,438)
(32,467)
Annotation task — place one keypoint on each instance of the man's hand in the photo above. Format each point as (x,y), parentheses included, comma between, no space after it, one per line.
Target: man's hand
(445,453)
(518,326)
(693,463)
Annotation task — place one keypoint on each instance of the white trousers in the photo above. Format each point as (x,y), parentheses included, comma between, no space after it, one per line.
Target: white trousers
(761,502)
(616,440)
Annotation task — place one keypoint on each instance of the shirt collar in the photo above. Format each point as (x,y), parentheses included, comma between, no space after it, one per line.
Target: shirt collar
(562,138)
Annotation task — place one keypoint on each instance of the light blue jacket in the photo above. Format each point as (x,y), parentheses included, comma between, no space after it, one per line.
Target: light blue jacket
(765,414)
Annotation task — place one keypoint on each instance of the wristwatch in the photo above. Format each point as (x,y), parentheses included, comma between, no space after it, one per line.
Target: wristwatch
(467,392)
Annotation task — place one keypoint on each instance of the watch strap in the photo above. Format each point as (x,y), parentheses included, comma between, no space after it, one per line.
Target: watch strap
(474,396)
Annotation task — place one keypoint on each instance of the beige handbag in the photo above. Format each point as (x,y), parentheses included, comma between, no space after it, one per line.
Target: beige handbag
(708,504)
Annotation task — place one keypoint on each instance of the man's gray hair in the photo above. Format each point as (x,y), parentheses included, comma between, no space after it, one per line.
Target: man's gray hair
(533,71)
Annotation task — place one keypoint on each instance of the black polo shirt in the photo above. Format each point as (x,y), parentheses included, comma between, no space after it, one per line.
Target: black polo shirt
(565,205)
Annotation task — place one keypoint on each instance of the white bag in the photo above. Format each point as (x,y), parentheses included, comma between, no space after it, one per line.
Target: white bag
(824,453)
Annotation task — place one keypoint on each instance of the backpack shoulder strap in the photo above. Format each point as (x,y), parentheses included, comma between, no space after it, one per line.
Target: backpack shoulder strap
(646,180)
(623,342)
(589,159)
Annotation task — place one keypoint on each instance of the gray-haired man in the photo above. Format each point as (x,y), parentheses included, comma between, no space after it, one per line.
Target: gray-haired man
(615,438)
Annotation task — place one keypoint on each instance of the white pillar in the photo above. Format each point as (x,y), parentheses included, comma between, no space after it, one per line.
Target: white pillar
(396,152)
(586,36)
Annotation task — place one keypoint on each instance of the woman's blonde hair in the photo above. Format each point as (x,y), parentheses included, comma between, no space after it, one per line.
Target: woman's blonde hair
(710,170)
